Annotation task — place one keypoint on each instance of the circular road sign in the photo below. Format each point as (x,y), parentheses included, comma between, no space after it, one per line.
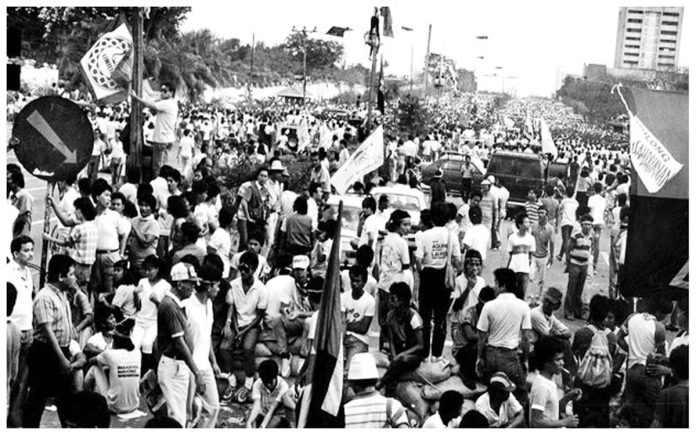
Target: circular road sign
(53,138)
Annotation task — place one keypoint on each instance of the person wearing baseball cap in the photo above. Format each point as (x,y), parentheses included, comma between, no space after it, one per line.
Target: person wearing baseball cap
(544,322)
(274,186)
(199,313)
(369,408)
(174,342)
(499,404)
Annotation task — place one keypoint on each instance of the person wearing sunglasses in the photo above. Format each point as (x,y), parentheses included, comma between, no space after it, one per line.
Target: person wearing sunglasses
(167,110)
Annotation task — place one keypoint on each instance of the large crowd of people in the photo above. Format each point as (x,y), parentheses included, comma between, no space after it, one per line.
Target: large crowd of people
(160,296)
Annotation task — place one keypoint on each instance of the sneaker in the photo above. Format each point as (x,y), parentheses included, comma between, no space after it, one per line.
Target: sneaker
(285,367)
(241,395)
(229,392)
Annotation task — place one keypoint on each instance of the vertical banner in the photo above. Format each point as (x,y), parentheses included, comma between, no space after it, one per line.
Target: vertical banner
(657,244)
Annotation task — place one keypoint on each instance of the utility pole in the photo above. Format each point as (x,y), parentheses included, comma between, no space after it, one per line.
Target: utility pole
(304,32)
(410,86)
(427,58)
(251,66)
(136,116)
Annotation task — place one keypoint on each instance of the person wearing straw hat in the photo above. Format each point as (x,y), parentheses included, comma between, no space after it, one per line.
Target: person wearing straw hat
(499,404)
(369,408)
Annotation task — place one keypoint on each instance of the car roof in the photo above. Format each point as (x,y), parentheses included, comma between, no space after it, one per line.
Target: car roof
(348,200)
(516,154)
(402,190)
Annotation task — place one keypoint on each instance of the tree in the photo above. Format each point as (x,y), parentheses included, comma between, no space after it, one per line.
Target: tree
(412,116)
(321,55)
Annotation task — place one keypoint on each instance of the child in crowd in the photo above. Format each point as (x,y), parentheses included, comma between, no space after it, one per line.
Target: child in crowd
(269,393)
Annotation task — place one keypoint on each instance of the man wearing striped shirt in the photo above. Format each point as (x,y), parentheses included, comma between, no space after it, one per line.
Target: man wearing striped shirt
(577,261)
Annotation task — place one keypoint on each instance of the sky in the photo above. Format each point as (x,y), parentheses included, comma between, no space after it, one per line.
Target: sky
(535,42)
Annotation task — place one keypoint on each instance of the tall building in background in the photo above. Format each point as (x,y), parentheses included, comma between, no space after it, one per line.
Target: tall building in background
(648,38)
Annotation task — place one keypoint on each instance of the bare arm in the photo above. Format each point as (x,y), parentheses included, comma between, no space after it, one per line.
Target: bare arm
(361,326)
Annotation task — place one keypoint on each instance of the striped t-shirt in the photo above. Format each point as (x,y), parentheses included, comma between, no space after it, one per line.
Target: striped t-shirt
(370,411)
(532,209)
(582,249)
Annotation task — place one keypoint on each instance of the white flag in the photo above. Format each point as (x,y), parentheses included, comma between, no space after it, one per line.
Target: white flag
(108,64)
(654,164)
(547,144)
(368,157)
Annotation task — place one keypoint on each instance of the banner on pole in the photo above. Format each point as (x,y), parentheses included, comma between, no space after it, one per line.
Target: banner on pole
(547,144)
(107,65)
(368,157)
(654,164)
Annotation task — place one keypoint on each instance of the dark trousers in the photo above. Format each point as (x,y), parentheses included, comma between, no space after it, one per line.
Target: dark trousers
(507,361)
(248,347)
(576,283)
(434,302)
(93,168)
(640,396)
(45,380)
(593,407)
(582,198)
(565,235)
(225,351)
(466,188)
(466,358)
(384,305)
(522,280)
(398,367)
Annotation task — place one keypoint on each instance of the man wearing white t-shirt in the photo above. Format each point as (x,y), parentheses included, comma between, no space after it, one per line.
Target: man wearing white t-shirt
(165,124)
(521,245)
(544,404)
(597,204)
(504,326)
(476,238)
(359,308)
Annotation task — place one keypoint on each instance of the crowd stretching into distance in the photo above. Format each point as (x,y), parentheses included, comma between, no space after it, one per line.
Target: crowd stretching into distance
(170,292)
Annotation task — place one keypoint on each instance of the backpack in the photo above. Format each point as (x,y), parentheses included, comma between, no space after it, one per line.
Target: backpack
(257,211)
(596,367)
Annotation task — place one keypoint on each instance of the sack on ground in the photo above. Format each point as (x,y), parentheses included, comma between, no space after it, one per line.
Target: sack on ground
(435,372)
(454,383)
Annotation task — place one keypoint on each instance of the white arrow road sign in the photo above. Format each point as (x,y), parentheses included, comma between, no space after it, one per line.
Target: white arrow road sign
(41,125)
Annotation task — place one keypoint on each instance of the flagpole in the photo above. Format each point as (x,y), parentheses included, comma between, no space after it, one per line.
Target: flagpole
(427,58)
(136,115)
(251,64)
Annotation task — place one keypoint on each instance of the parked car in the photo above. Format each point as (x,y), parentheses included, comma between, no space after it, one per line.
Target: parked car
(451,164)
(520,172)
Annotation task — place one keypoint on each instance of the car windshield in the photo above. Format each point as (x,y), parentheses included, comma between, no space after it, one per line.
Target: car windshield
(351,217)
(400,201)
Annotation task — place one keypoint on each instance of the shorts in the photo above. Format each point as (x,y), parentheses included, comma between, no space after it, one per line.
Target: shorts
(144,337)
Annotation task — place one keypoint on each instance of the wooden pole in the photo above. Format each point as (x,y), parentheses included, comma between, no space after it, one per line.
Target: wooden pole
(370,91)
(135,158)
(427,58)
(46,229)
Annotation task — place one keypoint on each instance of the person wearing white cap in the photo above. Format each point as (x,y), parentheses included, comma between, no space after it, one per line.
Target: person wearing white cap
(288,307)
(369,408)
(199,312)
(174,342)
(499,405)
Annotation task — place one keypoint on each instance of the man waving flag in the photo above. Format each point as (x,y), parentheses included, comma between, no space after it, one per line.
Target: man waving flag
(320,406)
